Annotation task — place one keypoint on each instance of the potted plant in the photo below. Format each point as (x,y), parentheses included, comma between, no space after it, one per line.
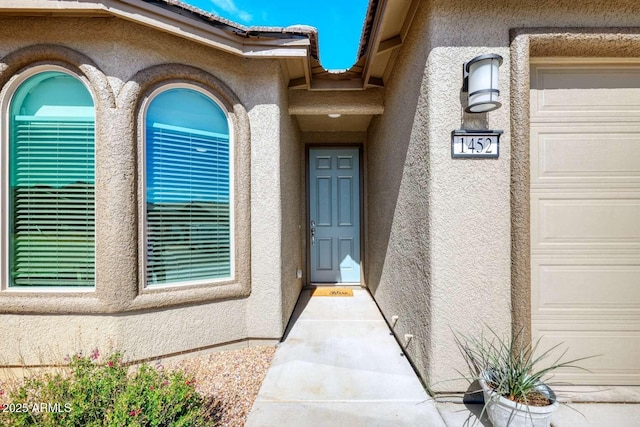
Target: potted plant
(512,375)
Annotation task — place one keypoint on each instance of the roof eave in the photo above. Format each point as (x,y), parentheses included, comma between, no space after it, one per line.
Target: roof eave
(295,43)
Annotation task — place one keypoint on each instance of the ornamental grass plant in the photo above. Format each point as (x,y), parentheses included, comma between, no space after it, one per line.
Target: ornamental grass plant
(514,368)
(94,392)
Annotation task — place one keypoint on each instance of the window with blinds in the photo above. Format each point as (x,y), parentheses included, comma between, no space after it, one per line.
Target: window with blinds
(188,218)
(51,201)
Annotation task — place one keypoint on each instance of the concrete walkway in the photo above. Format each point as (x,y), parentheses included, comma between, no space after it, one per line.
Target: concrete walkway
(339,365)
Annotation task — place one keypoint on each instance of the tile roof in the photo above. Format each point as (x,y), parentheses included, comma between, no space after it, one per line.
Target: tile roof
(366,27)
(294,31)
(224,24)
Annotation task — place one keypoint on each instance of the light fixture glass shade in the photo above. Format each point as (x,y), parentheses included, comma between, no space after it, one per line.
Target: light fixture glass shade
(483,83)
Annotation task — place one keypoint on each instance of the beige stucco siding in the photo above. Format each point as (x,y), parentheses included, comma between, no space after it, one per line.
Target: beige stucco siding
(293,211)
(263,311)
(398,238)
(126,61)
(34,339)
(120,48)
(454,256)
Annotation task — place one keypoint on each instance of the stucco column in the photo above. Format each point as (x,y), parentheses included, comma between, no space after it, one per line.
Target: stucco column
(264,308)
(116,213)
(470,221)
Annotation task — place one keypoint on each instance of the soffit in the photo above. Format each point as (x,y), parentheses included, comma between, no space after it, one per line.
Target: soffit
(395,21)
(336,102)
(355,93)
(356,108)
(344,123)
(384,30)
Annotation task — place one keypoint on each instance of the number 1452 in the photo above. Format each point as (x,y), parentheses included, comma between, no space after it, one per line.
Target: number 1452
(475,146)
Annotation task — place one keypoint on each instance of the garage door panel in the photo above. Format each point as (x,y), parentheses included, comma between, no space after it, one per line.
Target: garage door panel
(585,220)
(585,156)
(585,215)
(615,348)
(585,91)
(594,288)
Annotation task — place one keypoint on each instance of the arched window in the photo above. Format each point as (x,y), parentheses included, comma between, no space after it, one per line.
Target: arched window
(51,201)
(188,188)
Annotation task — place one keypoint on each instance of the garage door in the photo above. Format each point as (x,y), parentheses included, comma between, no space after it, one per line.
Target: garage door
(585,215)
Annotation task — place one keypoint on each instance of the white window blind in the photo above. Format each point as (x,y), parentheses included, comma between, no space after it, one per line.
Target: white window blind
(52,201)
(188,216)
(52,176)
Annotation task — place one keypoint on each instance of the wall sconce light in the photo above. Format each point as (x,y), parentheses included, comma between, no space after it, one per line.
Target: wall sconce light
(481,83)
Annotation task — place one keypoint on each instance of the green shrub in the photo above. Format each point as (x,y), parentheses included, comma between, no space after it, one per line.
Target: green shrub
(91,394)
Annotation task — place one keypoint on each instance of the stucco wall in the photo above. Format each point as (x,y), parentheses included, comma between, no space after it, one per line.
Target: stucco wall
(448,266)
(291,196)
(264,310)
(123,61)
(398,241)
(34,339)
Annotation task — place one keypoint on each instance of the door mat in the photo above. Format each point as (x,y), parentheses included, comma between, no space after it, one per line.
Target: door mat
(331,292)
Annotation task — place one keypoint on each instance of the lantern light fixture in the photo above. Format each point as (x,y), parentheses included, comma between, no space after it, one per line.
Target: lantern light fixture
(481,83)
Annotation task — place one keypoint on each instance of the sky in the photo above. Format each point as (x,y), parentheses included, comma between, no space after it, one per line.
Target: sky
(339,22)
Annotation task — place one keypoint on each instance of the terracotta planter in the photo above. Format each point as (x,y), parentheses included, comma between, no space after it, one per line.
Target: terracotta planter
(503,412)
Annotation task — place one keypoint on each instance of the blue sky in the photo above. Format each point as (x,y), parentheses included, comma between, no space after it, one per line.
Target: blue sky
(339,22)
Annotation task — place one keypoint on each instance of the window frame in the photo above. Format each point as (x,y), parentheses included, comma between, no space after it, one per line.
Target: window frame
(142,164)
(5,188)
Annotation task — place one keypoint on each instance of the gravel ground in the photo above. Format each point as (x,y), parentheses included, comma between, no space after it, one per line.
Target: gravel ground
(230,380)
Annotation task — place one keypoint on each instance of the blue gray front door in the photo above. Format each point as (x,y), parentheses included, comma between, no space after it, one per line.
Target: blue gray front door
(334,215)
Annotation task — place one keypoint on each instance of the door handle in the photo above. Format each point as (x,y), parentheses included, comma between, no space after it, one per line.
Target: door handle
(313,232)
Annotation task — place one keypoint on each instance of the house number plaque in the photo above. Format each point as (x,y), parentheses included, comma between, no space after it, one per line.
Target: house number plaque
(472,144)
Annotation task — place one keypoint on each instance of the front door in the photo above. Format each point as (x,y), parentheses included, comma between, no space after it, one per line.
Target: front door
(334,215)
